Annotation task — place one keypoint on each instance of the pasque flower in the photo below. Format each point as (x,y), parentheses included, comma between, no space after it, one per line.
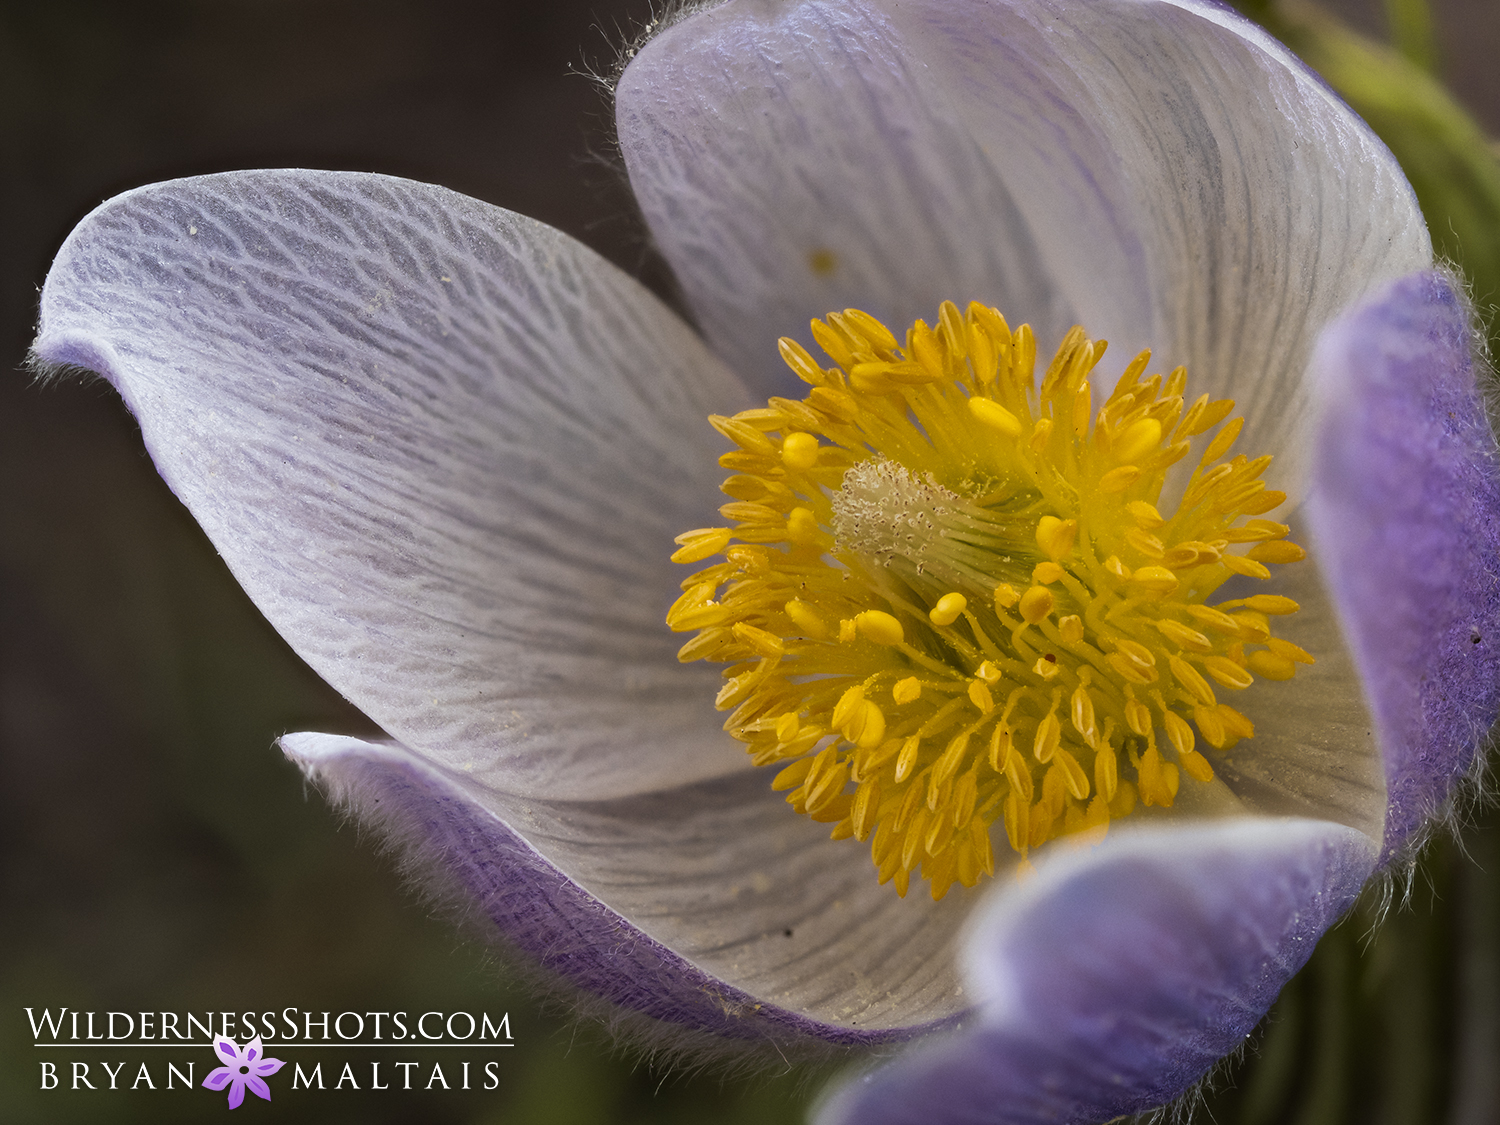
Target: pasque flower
(447,451)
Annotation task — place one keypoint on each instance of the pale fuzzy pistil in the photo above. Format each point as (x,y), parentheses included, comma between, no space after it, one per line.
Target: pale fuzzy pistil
(949,598)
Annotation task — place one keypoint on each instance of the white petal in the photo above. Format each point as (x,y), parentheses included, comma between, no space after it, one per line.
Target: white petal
(445,448)
(1163,172)
(721,873)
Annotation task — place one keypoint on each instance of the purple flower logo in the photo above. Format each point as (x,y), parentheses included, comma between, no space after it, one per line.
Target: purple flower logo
(241,1070)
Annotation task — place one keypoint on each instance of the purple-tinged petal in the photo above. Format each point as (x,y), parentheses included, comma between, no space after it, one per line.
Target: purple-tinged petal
(220,1077)
(1405,511)
(1114,979)
(236,1094)
(258,1087)
(1164,173)
(443,447)
(227,1050)
(708,907)
(268,1066)
(253,1050)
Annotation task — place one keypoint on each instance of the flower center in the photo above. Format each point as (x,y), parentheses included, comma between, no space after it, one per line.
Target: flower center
(949,598)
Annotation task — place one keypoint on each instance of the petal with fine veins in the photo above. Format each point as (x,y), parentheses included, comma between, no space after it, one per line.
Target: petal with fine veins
(1406,519)
(443,447)
(1163,173)
(710,907)
(1114,979)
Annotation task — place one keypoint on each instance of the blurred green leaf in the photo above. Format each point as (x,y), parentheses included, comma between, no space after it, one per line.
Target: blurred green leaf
(1447,157)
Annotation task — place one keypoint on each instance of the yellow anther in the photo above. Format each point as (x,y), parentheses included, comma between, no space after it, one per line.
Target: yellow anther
(1273,604)
(1215,619)
(1077,780)
(1292,652)
(1036,604)
(795,356)
(1253,627)
(1146,543)
(1211,725)
(1048,735)
(805,618)
(868,763)
(872,330)
(1196,766)
(1046,667)
(1179,734)
(1191,682)
(799,451)
(988,673)
(793,776)
(848,703)
(708,644)
(1235,724)
(1081,401)
(1083,716)
(1255,531)
(827,785)
(906,760)
(1115,567)
(802,526)
(1018,773)
(1070,628)
(743,434)
(1137,716)
(1146,517)
(1239,564)
(1270,666)
(1000,744)
(1130,671)
(907,691)
(1136,653)
(1139,439)
(866,805)
(695,546)
(1227,672)
(1190,554)
(1119,479)
(952,757)
(1006,596)
(832,342)
(979,695)
(1055,536)
(1041,433)
(1204,415)
(948,609)
(879,627)
(763,642)
(787,726)
(1106,772)
(866,726)
(1183,637)
(1159,779)
(965,797)
(847,631)
(990,413)
(1047,572)
(1222,441)
(1276,551)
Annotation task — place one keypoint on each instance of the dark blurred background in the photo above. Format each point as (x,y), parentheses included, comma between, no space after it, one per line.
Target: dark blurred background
(156,852)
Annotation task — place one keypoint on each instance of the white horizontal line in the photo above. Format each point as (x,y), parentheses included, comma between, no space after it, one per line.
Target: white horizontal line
(286,1043)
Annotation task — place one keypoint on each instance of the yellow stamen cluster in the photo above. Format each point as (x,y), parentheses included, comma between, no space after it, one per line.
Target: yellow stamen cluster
(948,597)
